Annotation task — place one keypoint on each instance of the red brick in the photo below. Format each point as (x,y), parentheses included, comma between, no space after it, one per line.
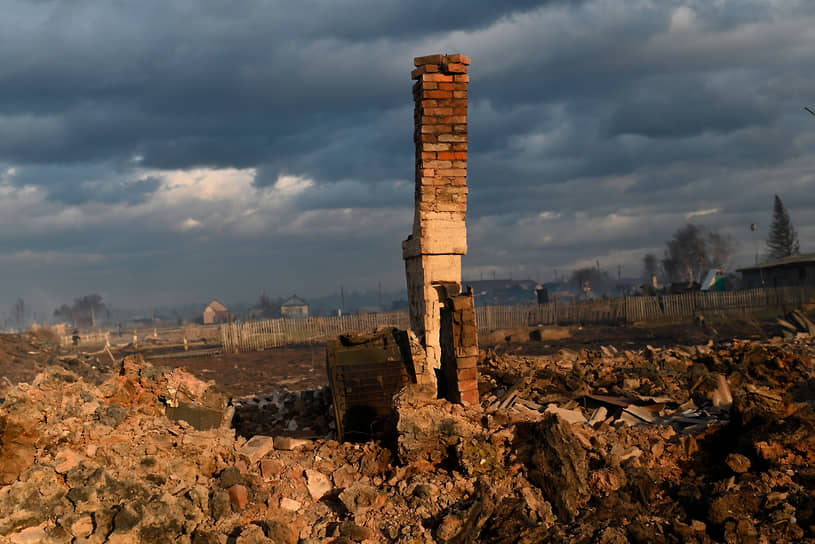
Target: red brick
(431,139)
(452,119)
(464,361)
(429,103)
(458,87)
(447,86)
(460,94)
(430,155)
(424,69)
(439,94)
(438,164)
(238,496)
(440,78)
(464,374)
(470,397)
(461,110)
(449,102)
(436,147)
(460,155)
(447,155)
(458,57)
(430,180)
(460,128)
(433,59)
(431,86)
(454,138)
(438,111)
(467,385)
(460,146)
(458,164)
(436,129)
(454,181)
(428,173)
(458,78)
(451,172)
(456,68)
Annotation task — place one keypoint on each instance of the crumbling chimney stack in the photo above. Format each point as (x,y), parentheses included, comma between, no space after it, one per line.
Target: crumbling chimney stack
(433,252)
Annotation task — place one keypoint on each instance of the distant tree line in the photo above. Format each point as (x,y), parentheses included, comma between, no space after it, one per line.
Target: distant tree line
(86,311)
(694,249)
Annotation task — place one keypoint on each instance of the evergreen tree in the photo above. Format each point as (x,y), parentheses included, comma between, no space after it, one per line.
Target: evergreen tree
(783,240)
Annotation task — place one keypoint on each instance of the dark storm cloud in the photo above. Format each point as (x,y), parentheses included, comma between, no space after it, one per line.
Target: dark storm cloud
(131,192)
(596,129)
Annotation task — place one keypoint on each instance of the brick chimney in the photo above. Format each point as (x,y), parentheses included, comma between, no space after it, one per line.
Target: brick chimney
(432,253)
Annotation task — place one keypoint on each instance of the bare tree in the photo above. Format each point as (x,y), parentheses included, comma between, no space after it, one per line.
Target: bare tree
(267,306)
(693,250)
(86,311)
(18,313)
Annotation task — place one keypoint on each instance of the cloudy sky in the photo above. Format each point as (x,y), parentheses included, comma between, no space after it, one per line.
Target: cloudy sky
(165,152)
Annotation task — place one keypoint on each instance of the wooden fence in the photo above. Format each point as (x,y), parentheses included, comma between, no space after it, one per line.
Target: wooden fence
(259,335)
(634,309)
(270,333)
(205,334)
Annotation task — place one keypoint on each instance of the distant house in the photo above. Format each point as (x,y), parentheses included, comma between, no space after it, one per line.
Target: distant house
(793,271)
(294,308)
(215,313)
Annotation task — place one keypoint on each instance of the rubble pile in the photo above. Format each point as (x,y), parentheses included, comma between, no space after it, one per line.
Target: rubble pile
(307,414)
(698,443)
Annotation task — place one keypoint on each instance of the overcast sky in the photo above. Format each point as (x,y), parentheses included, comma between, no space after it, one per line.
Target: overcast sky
(165,152)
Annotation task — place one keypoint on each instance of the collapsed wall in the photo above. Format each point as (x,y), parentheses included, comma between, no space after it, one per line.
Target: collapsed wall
(440,314)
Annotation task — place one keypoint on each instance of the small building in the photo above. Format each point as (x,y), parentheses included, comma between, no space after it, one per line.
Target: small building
(294,308)
(793,271)
(215,313)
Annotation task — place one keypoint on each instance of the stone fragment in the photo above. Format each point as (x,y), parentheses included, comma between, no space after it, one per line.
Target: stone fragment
(571,416)
(30,535)
(344,476)
(270,468)
(287,443)
(355,532)
(738,463)
(230,476)
(290,505)
(251,534)
(256,448)
(721,396)
(318,484)
(238,496)
(359,498)
(558,465)
(82,527)
(66,460)
(279,532)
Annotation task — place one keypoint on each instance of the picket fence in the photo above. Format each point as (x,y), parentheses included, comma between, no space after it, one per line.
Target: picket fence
(201,334)
(272,333)
(260,335)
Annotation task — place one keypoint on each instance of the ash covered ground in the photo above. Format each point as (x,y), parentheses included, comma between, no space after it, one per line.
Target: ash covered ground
(671,434)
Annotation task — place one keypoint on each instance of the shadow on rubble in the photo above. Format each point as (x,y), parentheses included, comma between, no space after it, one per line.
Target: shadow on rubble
(299,414)
(746,480)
